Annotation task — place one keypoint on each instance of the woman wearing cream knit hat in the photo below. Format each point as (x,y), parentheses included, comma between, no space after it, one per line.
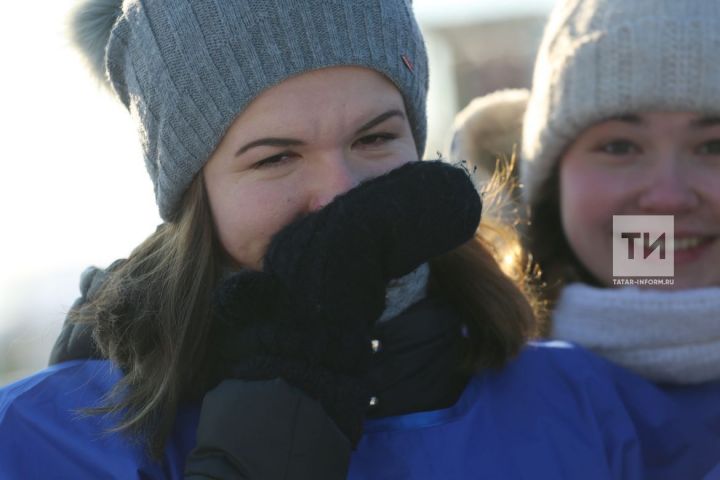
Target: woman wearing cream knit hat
(624,119)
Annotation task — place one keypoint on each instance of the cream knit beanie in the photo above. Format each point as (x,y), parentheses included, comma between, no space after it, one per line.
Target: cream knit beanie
(603,58)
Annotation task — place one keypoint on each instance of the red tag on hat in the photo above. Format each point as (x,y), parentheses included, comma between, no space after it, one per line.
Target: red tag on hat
(407,63)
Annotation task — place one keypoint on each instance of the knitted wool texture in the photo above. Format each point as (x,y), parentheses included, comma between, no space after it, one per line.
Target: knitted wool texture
(604,58)
(186,68)
(665,336)
(307,316)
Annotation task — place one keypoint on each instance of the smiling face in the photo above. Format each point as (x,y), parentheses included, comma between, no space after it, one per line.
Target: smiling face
(649,164)
(296,147)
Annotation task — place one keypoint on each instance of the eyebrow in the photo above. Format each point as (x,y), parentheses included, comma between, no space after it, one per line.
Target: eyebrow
(379,119)
(291,142)
(270,142)
(634,119)
(705,122)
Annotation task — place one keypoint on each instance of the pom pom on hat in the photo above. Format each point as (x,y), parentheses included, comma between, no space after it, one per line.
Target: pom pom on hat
(90,24)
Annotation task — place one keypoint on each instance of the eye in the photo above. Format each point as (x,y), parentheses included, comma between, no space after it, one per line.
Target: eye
(619,147)
(375,140)
(275,160)
(711,147)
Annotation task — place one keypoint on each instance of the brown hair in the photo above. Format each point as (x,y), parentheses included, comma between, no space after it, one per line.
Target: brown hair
(498,316)
(501,231)
(548,247)
(152,317)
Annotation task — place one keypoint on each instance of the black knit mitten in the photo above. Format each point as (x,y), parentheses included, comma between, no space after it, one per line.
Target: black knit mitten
(307,317)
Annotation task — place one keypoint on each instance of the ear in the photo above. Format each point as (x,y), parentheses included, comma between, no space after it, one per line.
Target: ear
(90,24)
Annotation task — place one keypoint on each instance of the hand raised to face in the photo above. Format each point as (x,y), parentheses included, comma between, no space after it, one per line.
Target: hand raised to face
(344,254)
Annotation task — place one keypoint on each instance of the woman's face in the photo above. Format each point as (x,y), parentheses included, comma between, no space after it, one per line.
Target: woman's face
(297,146)
(646,164)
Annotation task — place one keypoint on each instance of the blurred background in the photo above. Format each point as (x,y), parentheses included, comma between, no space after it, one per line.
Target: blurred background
(74,189)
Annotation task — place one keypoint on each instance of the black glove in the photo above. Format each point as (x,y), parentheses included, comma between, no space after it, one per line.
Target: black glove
(307,317)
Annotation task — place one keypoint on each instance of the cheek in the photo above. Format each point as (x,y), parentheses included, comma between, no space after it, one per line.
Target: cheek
(394,163)
(247,221)
(581,199)
(405,153)
(706,183)
(586,209)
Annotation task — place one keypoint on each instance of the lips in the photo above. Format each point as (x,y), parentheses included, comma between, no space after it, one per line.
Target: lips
(689,242)
(690,248)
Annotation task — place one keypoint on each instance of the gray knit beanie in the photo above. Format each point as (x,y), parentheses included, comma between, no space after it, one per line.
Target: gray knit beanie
(603,58)
(186,68)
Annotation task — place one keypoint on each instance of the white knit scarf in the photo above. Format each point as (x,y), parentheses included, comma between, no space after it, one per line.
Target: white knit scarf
(664,336)
(403,292)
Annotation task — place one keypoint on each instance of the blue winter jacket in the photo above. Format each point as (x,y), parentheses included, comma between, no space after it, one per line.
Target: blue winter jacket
(556,412)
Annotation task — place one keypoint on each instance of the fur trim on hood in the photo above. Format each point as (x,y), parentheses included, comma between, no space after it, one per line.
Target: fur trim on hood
(487,129)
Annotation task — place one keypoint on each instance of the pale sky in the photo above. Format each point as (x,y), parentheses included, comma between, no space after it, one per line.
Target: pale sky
(74,190)
(74,187)
(444,11)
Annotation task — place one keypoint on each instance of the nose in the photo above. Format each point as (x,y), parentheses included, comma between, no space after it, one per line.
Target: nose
(334,176)
(668,189)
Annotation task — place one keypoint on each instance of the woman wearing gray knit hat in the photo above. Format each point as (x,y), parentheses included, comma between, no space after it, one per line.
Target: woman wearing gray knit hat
(623,121)
(315,288)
